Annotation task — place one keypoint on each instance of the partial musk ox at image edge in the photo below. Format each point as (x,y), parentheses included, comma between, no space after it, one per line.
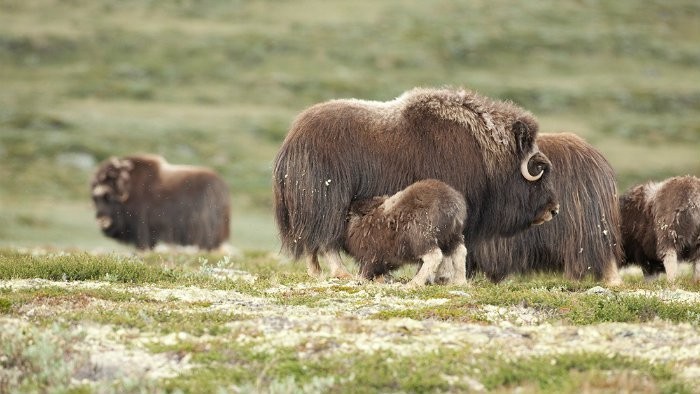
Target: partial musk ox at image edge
(421,223)
(584,239)
(348,149)
(143,200)
(661,225)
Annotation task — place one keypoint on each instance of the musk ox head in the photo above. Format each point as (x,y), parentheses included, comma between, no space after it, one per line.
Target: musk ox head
(525,195)
(110,191)
(584,240)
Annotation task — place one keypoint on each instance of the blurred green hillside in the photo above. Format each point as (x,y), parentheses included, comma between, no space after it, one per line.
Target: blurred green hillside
(217,83)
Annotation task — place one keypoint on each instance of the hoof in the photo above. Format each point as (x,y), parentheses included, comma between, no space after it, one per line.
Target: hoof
(343,275)
(314,273)
(413,285)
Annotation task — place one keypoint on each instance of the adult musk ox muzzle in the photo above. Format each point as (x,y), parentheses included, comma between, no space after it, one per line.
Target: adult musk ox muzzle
(144,200)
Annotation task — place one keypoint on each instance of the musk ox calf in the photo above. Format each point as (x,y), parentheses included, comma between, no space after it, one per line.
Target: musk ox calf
(661,225)
(422,223)
(345,150)
(584,239)
(143,200)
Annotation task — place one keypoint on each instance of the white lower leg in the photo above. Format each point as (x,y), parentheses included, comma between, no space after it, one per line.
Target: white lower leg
(312,266)
(431,262)
(459,262)
(445,271)
(338,270)
(611,276)
(671,265)
(696,271)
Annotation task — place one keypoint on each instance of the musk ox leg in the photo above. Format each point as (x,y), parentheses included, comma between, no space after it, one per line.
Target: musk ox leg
(671,265)
(696,271)
(427,271)
(445,272)
(611,276)
(313,268)
(338,270)
(459,264)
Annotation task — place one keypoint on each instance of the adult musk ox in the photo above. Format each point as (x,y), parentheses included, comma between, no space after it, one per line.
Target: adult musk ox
(661,224)
(345,150)
(143,200)
(584,238)
(422,223)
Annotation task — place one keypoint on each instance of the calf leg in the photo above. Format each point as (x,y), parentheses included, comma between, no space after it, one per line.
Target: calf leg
(338,270)
(431,263)
(459,264)
(445,271)
(671,265)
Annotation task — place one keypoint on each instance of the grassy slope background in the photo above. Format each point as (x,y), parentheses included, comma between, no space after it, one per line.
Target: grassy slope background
(217,83)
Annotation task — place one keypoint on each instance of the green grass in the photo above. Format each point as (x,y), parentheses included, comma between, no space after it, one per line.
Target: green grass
(569,373)
(34,359)
(378,372)
(225,339)
(81,267)
(562,301)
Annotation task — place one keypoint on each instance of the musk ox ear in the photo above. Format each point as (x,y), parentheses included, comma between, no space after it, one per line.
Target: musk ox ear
(524,135)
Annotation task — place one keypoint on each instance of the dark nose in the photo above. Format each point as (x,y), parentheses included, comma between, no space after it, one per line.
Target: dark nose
(555,211)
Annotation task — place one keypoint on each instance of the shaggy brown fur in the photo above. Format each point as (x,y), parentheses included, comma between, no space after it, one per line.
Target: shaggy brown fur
(345,150)
(143,200)
(422,223)
(661,224)
(584,239)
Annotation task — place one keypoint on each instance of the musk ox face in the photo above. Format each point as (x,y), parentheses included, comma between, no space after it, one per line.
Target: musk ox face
(527,196)
(110,191)
(541,190)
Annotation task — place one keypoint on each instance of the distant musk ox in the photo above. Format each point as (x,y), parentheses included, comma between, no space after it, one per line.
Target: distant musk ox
(422,223)
(144,200)
(661,225)
(345,150)
(583,239)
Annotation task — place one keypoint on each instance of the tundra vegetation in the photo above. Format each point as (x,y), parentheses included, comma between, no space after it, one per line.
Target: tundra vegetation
(217,83)
(85,322)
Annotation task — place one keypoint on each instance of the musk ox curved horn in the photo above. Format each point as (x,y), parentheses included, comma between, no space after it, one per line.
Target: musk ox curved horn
(122,186)
(526,172)
(100,190)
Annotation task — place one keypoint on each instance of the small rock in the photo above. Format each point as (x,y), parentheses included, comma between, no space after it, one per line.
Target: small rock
(598,290)
(460,293)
